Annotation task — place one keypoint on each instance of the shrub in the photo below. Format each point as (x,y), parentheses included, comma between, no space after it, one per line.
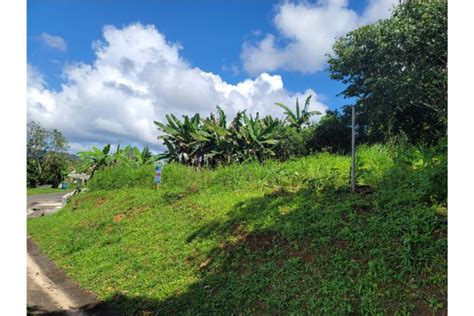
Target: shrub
(292,142)
(122,176)
(332,133)
(419,175)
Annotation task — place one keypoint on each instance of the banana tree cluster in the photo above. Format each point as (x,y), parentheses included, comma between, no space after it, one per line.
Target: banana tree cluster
(213,141)
(96,159)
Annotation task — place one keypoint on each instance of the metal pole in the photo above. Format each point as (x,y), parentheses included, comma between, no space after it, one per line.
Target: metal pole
(353,151)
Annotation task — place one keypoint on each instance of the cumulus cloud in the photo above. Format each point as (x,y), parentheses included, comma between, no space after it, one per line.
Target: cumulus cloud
(56,42)
(136,78)
(309,30)
(376,10)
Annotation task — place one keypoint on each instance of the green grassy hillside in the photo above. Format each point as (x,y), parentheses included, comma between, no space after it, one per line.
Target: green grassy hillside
(276,238)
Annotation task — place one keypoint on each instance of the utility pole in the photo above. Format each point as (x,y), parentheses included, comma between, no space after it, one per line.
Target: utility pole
(353,185)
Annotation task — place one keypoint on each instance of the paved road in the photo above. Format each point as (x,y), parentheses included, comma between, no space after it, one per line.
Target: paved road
(39,288)
(47,197)
(42,294)
(49,290)
(43,204)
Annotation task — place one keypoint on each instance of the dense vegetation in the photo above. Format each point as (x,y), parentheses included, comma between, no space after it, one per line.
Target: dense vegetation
(395,68)
(397,71)
(212,141)
(128,156)
(265,238)
(47,160)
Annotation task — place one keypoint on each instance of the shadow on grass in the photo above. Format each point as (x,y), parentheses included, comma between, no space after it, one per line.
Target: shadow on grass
(315,252)
(330,252)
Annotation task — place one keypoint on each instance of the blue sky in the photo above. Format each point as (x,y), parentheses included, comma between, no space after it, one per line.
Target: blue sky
(235,40)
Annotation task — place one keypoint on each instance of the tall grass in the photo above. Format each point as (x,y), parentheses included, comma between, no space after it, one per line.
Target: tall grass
(319,169)
(373,162)
(386,165)
(122,176)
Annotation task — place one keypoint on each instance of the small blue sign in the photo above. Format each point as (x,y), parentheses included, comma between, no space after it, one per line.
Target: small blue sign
(157,174)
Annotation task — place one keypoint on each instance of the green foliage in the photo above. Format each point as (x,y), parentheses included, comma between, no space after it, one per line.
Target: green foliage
(55,168)
(210,141)
(298,119)
(374,162)
(98,159)
(47,159)
(33,191)
(122,176)
(397,70)
(332,133)
(263,238)
(420,175)
(95,159)
(292,142)
(254,174)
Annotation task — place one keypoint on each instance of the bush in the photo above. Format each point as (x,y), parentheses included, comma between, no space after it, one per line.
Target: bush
(122,176)
(419,176)
(332,133)
(292,142)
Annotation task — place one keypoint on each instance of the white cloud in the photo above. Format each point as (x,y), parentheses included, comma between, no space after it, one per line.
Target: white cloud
(136,78)
(310,30)
(53,41)
(376,10)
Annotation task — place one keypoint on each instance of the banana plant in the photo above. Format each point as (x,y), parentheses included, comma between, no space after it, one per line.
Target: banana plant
(181,137)
(212,142)
(298,119)
(95,159)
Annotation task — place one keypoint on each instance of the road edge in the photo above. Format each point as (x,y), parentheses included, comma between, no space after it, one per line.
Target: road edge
(88,302)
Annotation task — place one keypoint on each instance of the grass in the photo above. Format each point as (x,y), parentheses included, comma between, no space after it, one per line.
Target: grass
(278,238)
(33,191)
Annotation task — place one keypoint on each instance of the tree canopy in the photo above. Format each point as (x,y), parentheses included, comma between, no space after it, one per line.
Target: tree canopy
(46,155)
(397,71)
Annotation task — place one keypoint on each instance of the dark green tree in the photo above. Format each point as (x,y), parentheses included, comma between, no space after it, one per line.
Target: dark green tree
(54,168)
(332,133)
(292,142)
(397,71)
